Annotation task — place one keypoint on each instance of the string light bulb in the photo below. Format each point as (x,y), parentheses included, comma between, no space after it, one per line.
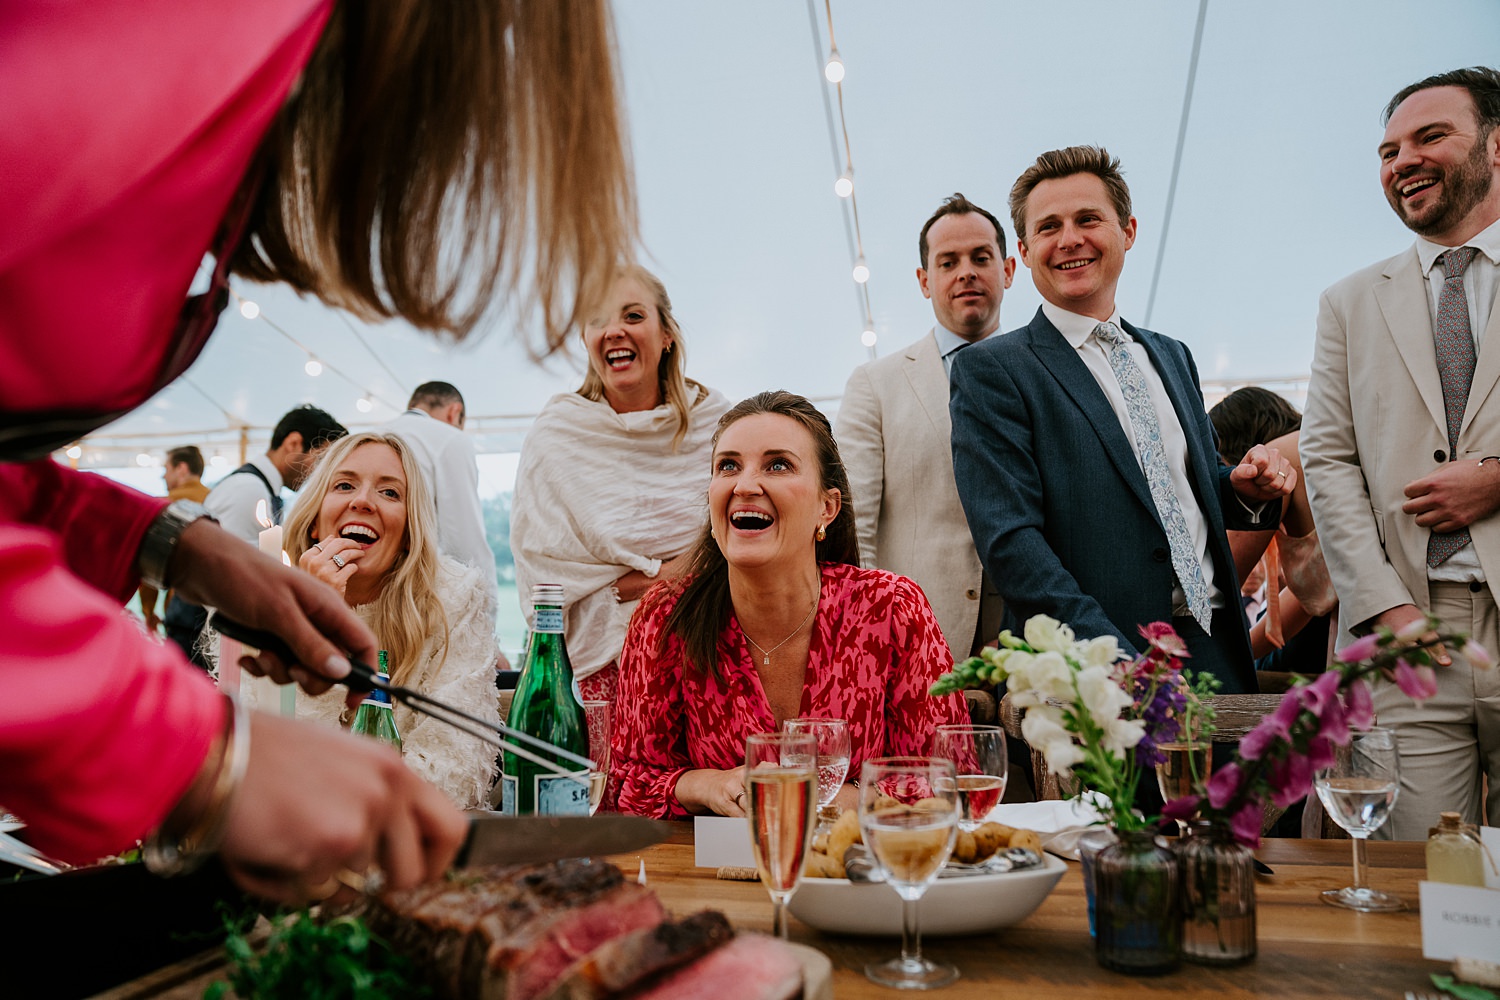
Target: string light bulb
(861,270)
(868,337)
(833,70)
(363,404)
(314,367)
(143,460)
(249,309)
(844,186)
(75,452)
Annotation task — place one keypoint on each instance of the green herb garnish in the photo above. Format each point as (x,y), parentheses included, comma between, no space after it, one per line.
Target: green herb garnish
(303,959)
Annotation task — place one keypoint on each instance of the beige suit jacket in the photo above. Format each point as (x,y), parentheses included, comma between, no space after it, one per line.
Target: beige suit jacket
(894,435)
(1375,422)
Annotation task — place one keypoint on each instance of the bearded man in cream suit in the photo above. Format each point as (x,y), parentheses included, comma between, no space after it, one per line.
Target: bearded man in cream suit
(893,429)
(1401,439)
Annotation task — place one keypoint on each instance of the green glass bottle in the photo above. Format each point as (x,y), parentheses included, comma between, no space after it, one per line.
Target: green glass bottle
(374,716)
(546,705)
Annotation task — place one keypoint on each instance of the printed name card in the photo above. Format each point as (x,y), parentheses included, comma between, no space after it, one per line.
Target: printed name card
(1490,837)
(1460,920)
(722,841)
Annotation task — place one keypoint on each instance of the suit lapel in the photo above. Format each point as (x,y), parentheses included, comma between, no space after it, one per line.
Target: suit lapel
(929,382)
(1403,300)
(1486,369)
(1062,361)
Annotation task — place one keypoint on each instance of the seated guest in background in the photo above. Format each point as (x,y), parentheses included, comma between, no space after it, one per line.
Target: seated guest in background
(773,618)
(184,478)
(609,494)
(364,525)
(1293,633)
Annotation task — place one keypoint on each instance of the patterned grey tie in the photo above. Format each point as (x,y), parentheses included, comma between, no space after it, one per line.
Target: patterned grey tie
(1147,430)
(1454,343)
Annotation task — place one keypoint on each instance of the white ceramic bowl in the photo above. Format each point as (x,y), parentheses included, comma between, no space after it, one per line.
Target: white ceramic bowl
(950,906)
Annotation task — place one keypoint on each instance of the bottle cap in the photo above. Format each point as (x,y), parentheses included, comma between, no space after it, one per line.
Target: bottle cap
(547,593)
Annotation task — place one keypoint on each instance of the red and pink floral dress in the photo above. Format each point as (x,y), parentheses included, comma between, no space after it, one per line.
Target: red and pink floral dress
(876,649)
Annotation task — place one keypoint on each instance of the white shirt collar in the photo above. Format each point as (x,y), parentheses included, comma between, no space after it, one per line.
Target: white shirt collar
(1076,329)
(1487,241)
(948,341)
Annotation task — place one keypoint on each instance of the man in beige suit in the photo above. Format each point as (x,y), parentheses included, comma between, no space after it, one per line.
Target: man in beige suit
(893,429)
(1401,439)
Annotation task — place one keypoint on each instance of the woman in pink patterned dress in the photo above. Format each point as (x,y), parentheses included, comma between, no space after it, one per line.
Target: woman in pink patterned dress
(773,619)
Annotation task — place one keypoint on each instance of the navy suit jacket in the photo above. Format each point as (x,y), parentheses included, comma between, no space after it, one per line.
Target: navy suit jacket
(1057,503)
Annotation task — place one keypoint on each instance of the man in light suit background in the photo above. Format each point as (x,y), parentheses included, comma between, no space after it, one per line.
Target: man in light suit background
(1084,459)
(1401,438)
(893,429)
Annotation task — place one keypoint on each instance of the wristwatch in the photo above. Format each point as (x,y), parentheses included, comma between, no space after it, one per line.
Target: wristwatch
(161,538)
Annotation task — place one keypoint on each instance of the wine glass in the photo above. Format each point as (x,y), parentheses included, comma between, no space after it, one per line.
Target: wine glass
(781,787)
(596,717)
(833,760)
(1185,766)
(1358,790)
(979,760)
(908,813)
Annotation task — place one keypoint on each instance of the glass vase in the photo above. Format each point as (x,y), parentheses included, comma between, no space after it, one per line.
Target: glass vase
(1138,916)
(1218,896)
(1089,846)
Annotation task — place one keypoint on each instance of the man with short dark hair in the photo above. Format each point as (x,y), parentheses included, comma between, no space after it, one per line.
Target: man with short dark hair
(1401,438)
(893,429)
(433,427)
(1083,457)
(183,475)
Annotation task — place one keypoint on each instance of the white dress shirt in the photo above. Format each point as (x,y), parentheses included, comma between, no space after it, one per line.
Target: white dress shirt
(233,500)
(446,457)
(1078,331)
(1481,282)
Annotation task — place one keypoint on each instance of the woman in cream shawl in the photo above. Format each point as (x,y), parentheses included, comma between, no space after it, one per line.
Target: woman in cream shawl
(610,490)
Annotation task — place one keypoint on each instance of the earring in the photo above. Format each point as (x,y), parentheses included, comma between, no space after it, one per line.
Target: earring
(821,533)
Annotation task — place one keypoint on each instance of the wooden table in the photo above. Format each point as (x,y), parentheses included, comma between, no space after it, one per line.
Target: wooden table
(1307,948)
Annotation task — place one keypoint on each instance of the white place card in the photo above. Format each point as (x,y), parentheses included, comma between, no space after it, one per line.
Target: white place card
(722,841)
(1460,920)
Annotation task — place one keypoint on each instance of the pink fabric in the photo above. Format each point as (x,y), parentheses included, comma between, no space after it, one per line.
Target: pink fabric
(101,729)
(876,649)
(602,684)
(125,128)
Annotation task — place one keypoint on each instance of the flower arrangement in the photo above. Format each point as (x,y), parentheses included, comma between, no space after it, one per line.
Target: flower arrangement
(1277,759)
(1091,709)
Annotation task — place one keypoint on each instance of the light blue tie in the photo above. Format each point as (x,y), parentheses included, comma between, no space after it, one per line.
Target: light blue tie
(1147,430)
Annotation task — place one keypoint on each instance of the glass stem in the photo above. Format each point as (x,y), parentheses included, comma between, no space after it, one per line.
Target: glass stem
(778,916)
(1360,863)
(911,934)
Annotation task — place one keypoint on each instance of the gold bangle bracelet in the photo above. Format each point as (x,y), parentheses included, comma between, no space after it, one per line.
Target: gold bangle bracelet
(167,853)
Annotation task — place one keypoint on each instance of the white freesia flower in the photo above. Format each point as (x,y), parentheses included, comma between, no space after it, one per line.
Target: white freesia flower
(1100,651)
(1048,634)
(1101,696)
(1042,724)
(1051,677)
(1061,756)
(1121,735)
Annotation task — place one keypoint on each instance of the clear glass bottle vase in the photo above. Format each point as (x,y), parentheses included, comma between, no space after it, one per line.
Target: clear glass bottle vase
(1138,914)
(1218,896)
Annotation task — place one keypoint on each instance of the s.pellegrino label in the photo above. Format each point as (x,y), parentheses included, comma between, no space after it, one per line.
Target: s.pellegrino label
(546,705)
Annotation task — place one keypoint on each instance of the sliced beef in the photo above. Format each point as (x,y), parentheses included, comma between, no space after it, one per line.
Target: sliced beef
(751,967)
(629,959)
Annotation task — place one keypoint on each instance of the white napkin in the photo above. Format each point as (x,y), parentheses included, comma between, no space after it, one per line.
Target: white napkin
(1060,822)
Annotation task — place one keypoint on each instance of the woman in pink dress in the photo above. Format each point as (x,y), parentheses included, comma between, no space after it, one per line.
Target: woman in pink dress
(773,619)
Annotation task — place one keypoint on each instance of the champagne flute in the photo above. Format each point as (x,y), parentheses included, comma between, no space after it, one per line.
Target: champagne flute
(1185,766)
(596,717)
(780,798)
(833,761)
(1358,790)
(979,760)
(908,813)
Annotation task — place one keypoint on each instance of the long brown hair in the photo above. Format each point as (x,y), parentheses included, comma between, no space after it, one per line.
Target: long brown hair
(675,387)
(428,144)
(704,606)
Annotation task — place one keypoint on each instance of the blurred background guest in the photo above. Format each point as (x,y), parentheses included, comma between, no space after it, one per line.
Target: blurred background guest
(183,475)
(609,493)
(773,618)
(365,526)
(1292,631)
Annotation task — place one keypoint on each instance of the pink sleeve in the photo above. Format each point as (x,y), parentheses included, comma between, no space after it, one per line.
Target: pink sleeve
(99,523)
(101,728)
(913,715)
(648,746)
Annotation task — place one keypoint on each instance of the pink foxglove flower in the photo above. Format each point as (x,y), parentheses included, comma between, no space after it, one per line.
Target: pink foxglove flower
(1360,705)
(1245,823)
(1222,786)
(1417,683)
(1477,655)
(1360,649)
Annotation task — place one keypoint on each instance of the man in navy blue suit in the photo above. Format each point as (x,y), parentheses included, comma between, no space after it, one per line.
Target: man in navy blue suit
(1084,459)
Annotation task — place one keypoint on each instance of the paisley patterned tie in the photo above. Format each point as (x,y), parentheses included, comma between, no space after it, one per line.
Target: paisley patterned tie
(1454,342)
(1147,430)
